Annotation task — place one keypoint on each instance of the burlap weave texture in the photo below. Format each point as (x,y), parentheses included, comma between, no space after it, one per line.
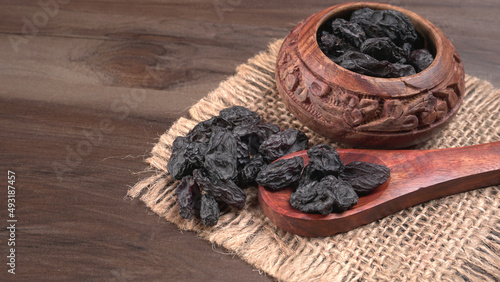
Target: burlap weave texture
(450,239)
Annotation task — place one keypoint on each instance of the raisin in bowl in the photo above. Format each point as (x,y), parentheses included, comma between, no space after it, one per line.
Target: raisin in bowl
(394,101)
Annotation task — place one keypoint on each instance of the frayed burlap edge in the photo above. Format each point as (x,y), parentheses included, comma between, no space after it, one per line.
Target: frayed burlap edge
(450,239)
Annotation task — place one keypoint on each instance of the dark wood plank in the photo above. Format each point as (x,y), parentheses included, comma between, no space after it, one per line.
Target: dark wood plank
(189,47)
(78,225)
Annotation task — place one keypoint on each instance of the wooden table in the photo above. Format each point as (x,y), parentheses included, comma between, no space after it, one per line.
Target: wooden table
(87,87)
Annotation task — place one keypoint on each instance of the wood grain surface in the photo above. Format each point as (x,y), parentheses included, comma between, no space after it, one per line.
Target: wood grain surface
(89,86)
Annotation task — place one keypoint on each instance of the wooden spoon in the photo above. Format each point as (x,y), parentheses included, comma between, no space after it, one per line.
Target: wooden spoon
(417,176)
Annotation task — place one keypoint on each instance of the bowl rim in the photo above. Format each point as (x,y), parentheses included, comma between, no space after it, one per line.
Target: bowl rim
(311,54)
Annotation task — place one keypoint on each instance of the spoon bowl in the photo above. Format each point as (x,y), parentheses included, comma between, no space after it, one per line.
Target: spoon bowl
(417,176)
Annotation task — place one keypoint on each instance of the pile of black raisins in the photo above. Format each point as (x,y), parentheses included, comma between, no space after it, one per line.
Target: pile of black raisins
(222,155)
(233,150)
(326,185)
(380,43)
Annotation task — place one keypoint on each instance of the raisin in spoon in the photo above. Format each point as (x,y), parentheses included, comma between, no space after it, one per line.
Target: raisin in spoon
(417,176)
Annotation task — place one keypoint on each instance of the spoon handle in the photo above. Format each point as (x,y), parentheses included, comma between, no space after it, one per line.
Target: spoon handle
(454,170)
(430,174)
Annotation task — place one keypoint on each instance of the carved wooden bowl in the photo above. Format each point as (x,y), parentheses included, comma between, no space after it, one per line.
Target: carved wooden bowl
(365,111)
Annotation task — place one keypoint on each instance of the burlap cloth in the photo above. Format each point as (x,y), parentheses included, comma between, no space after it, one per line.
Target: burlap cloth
(453,238)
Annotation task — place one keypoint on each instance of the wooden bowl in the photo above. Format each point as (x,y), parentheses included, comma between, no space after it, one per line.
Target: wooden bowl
(366,111)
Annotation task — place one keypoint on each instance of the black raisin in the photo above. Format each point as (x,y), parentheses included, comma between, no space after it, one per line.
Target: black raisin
(349,31)
(282,143)
(382,48)
(361,14)
(225,190)
(221,156)
(421,59)
(195,152)
(238,115)
(267,129)
(280,174)
(188,196)
(400,70)
(363,64)
(253,135)
(242,154)
(203,130)
(344,195)
(186,157)
(332,45)
(327,159)
(323,160)
(407,47)
(248,173)
(315,197)
(209,212)
(364,177)
(385,23)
